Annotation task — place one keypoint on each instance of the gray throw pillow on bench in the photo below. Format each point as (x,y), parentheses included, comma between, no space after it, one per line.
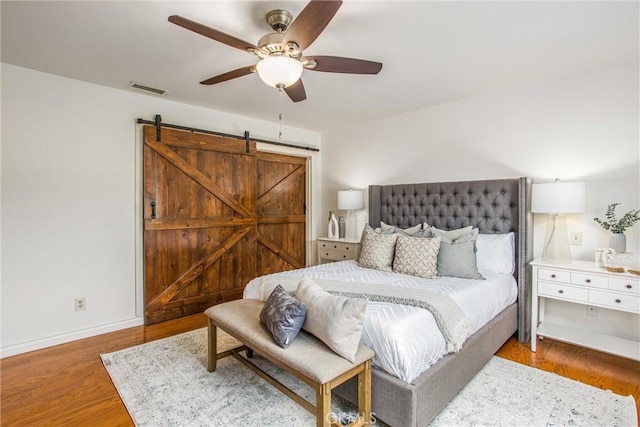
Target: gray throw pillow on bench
(283,315)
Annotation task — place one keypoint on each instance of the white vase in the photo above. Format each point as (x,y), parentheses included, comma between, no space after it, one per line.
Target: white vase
(333,231)
(618,242)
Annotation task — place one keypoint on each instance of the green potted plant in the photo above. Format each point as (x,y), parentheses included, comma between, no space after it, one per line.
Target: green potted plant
(618,241)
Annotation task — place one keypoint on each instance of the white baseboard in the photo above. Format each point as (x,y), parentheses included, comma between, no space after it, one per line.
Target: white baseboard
(12,350)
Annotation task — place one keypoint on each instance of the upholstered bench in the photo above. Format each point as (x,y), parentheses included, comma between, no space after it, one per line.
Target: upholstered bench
(307,358)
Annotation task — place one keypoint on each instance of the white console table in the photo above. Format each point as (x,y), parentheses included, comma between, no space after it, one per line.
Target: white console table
(580,282)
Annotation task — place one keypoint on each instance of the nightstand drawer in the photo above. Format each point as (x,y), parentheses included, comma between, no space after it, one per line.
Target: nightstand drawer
(589,280)
(625,285)
(338,247)
(336,255)
(554,275)
(559,291)
(617,301)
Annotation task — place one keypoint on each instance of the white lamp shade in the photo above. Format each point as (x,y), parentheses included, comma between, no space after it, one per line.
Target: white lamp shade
(279,71)
(558,197)
(350,199)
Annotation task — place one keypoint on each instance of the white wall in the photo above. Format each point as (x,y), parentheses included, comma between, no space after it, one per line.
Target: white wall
(582,127)
(69,201)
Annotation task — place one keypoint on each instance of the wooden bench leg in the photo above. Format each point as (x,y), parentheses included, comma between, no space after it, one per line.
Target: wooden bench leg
(323,405)
(212,348)
(364,393)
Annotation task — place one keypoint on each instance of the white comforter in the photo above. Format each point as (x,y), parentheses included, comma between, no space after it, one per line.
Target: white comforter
(406,340)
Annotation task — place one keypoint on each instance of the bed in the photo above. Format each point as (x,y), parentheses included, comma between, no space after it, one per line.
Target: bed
(413,395)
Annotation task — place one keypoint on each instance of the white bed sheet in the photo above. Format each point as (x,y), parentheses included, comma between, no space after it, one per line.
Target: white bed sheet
(406,340)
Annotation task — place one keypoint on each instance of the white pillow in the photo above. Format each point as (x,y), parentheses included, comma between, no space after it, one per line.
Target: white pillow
(496,253)
(335,320)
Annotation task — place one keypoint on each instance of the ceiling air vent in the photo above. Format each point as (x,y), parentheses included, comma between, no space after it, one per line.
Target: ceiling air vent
(146,88)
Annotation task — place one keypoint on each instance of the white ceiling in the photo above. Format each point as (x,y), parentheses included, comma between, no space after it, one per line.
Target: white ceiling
(433,52)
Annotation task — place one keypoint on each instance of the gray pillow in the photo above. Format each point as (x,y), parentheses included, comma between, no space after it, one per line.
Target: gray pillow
(376,249)
(416,256)
(390,229)
(335,320)
(458,260)
(465,234)
(283,315)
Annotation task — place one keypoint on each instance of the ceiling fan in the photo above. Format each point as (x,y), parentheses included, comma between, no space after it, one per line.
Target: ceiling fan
(281,61)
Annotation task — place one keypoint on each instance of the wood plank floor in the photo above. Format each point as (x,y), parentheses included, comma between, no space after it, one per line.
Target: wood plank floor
(68,385)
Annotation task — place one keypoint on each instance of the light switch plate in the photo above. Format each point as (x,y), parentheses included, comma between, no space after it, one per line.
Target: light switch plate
(575,237)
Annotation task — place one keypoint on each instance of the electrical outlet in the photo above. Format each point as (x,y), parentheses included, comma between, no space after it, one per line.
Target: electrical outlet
(81,304)
(575,237)
(592,311)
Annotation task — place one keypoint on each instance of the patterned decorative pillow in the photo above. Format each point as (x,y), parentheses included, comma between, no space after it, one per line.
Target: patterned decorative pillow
(335,320)
(283,315)
(417,256)
(376,250)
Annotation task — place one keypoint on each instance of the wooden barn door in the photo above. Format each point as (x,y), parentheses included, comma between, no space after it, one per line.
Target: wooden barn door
(199,221)
(281,213)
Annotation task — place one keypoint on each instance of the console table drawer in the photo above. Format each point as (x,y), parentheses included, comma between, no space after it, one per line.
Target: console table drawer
(554,275)
(559,291)
(589,280)
(625,285)
(617,301)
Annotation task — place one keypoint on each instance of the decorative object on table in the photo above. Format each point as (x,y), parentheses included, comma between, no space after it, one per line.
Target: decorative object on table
(598,258)
(333,226)
(622,260)
(341,227)
(617,240)
(557,199)
(351,200)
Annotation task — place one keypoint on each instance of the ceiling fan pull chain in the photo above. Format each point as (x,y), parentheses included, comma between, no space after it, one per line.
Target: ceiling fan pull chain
(280,113)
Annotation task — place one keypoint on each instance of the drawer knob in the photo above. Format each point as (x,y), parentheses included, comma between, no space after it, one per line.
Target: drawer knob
(561,291)
(344,256)
(618,300)
(346,247)
(553,276)
(629,286)
(335,247)
(588,280)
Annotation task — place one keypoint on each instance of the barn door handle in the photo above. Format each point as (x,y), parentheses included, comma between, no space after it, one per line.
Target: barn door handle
(153,209)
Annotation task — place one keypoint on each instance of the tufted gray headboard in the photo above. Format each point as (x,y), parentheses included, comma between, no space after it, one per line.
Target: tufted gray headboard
(494,206)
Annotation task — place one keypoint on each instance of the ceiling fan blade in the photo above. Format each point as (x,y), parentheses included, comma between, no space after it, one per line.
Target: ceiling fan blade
(296,91)
(211,33)
(310,23)
(229,75)
(337,64)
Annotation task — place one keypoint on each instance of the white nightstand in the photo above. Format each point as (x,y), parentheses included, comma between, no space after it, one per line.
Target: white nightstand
(581,282)
(330,250)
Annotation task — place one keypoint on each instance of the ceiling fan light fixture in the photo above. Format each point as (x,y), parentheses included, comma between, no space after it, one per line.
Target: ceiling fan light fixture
(279,71)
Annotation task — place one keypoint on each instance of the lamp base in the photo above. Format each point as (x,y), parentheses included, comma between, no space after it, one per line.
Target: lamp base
(351,225)
(556,241)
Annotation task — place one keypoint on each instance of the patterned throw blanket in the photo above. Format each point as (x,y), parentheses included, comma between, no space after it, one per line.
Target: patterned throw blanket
(449,317)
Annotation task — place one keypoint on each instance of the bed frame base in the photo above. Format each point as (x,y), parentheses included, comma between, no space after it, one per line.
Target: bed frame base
(400,404)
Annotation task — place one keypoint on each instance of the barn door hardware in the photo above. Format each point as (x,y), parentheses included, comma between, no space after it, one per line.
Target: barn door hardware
(158,122)
(153,209)
(158,125)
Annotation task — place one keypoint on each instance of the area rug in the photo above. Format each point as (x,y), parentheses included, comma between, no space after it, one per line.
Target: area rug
(166,383)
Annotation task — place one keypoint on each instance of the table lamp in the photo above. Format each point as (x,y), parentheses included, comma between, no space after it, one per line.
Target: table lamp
(557,199)
(351,200)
